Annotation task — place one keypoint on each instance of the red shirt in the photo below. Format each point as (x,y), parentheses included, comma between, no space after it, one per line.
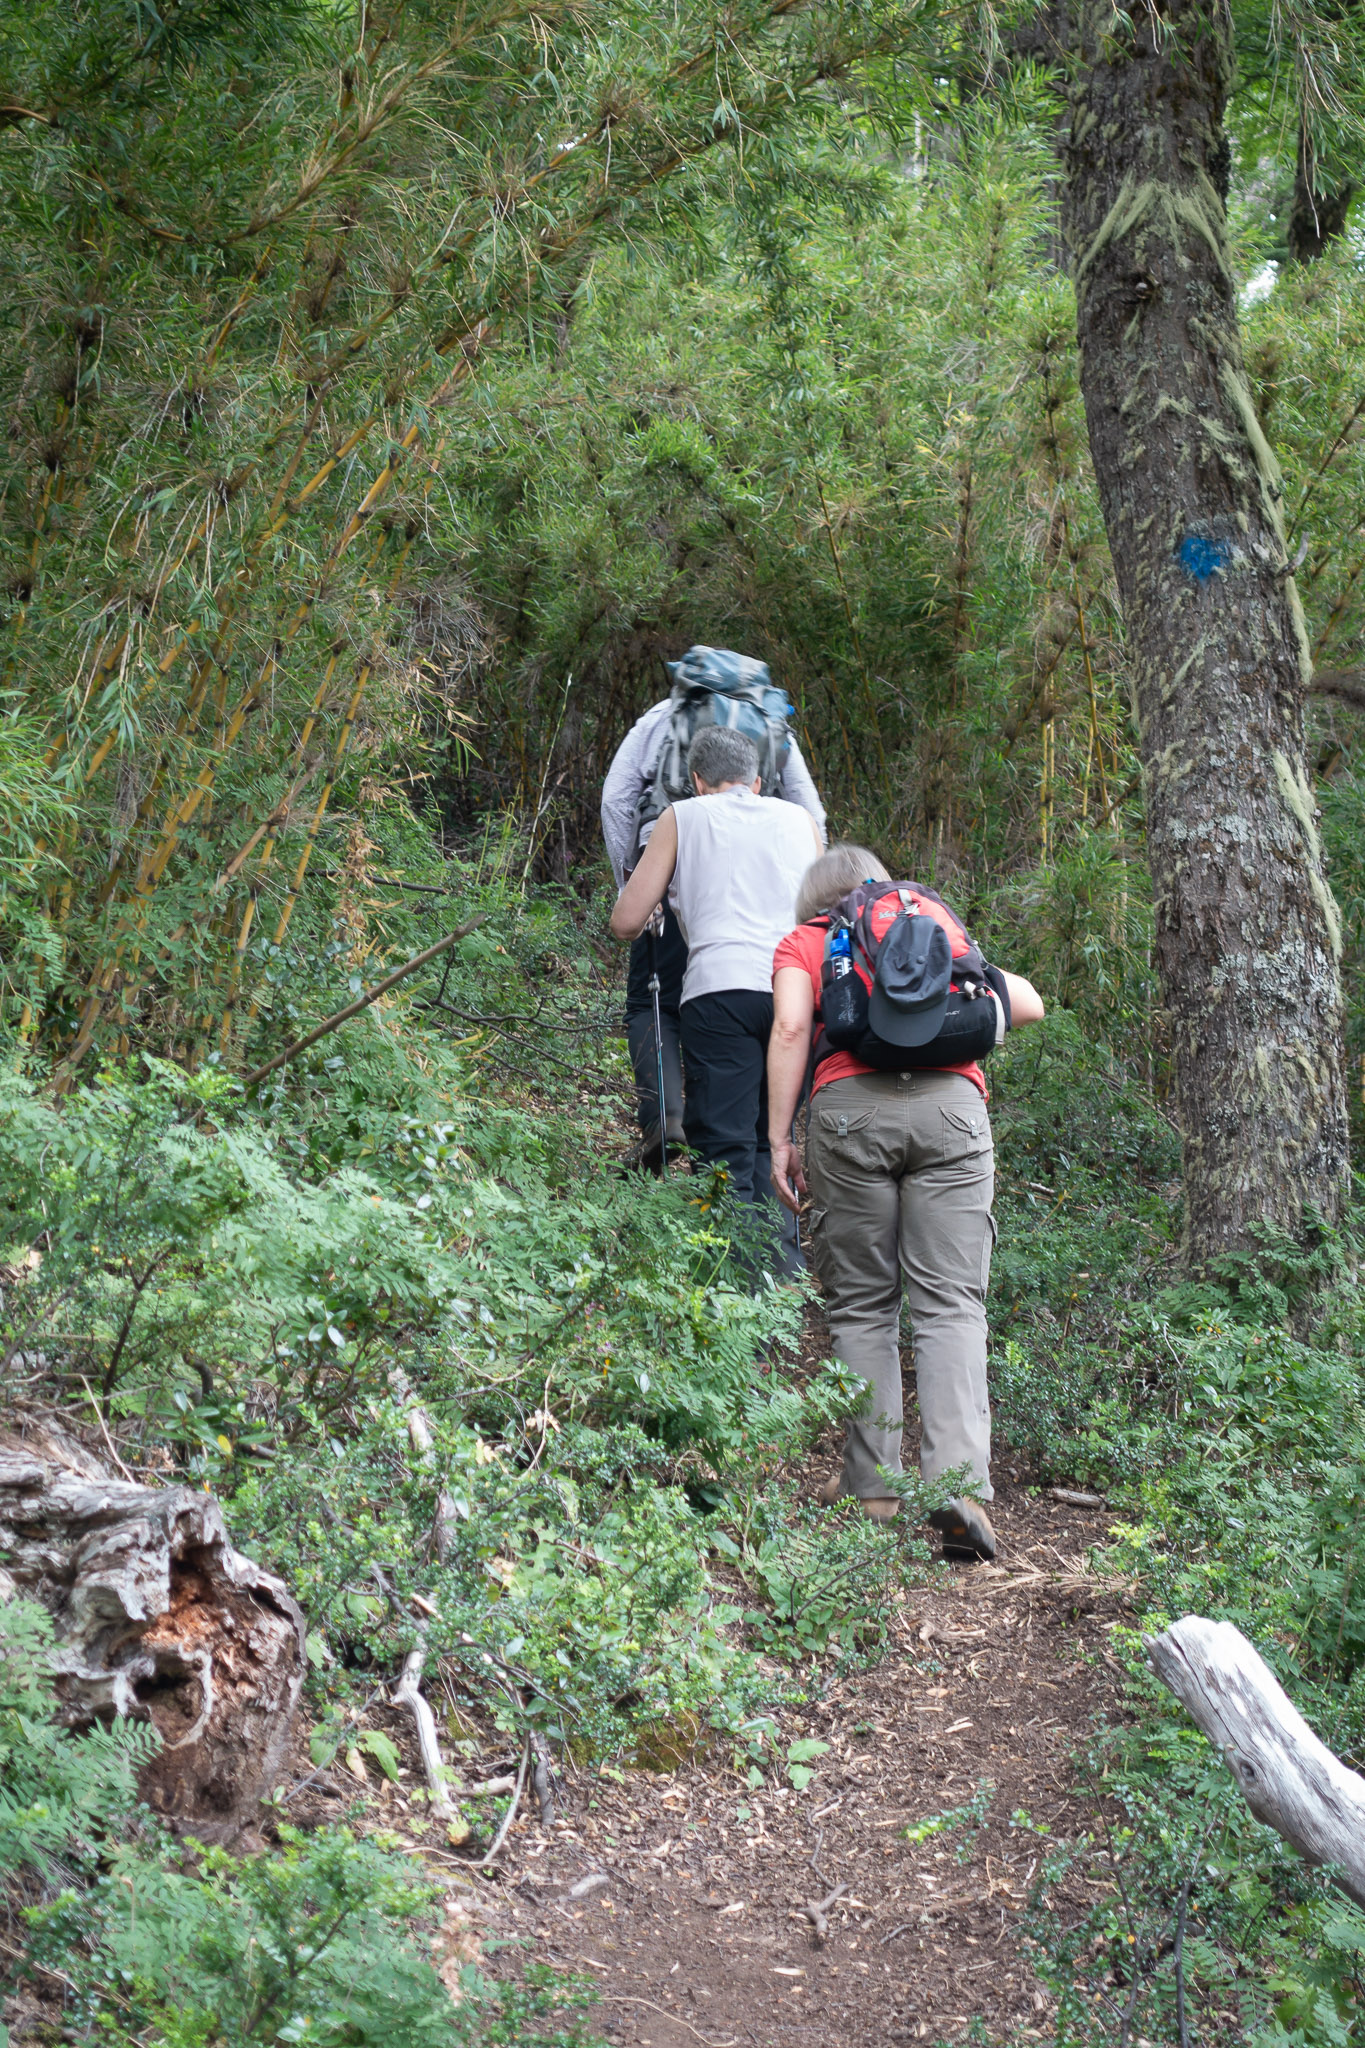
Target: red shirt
(805,948)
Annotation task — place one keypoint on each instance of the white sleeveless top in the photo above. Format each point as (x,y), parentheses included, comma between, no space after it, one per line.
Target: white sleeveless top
(740,862)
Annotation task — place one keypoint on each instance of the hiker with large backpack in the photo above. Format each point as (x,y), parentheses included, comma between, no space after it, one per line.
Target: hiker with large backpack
(732,859)
(711,687)
(885,1008)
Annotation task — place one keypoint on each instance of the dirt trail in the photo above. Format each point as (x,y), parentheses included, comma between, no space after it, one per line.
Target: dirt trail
(689,1887)
(696,1934)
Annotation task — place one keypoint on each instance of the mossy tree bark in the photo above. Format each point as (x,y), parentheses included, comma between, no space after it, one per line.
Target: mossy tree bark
(1247,934)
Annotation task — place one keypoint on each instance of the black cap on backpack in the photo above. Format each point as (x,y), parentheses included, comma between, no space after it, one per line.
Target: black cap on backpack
(909,995)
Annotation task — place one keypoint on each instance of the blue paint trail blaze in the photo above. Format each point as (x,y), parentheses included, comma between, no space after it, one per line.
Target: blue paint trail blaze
(1201,557)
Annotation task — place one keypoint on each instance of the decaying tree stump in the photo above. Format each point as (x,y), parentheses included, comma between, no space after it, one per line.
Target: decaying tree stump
(157,1616)
(1288,1778)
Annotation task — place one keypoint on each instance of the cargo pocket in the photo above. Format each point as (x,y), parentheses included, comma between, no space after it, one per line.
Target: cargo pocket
(987,1248)
(965,1133)
(846,1141)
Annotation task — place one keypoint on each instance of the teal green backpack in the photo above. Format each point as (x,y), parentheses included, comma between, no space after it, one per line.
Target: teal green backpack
(713,686)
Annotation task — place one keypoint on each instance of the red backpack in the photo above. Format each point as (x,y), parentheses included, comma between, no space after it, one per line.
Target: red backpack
(896,953)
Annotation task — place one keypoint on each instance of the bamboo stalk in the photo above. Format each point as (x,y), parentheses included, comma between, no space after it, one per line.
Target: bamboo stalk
(233,867)
(381,988)
(1324,465)
(463,338)
(1335,615)
(235,312)
(868,698)
(163,669)
(199,681)
(338,758)
(310,841)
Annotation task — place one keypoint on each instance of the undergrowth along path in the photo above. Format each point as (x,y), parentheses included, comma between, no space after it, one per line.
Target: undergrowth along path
(996,1676)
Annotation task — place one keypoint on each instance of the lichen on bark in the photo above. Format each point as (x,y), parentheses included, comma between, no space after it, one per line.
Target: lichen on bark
(1247,934)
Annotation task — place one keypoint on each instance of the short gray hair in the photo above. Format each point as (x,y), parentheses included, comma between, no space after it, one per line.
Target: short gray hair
(719,754)
(833,875)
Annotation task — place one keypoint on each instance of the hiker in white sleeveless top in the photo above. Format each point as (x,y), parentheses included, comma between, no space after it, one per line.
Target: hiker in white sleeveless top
(731,865)
(711,686)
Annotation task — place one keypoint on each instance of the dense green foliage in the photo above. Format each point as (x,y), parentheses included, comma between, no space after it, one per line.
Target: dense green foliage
(491,361)
(387,392)
(59,1793)
(255,257)
(312,1944)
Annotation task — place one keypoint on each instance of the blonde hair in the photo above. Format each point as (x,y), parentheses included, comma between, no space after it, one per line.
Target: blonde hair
(832,876)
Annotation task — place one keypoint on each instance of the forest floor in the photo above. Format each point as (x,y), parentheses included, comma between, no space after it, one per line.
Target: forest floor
(997,1675)
(679,1894)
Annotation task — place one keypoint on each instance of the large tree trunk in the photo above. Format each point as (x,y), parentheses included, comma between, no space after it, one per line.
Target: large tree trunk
(1247,935)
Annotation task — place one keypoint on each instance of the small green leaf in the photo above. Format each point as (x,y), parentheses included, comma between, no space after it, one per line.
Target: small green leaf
(806,1750)
(315,1649)
(382,1750)
(323,1743)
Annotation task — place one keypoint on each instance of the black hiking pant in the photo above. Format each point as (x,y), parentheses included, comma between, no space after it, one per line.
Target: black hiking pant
(725,1055)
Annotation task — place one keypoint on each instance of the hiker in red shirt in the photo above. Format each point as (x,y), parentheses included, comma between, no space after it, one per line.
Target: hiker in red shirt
(900,1161)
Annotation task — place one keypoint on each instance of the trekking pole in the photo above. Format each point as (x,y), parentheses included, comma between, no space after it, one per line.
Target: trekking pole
(659,1057)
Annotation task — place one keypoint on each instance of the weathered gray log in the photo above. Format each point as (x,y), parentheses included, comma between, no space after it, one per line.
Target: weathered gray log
(158,1617)
(1288,1778)
(409,1693)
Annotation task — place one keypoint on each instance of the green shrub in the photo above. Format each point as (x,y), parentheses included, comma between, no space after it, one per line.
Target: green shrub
(591,1597)
(62,1794)
(1191,1890)
(311,1943)
(831,1580)
(319,1940)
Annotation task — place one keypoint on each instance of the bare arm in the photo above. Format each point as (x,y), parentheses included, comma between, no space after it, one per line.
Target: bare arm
(644,891)
(788,1054)
(1026,1005)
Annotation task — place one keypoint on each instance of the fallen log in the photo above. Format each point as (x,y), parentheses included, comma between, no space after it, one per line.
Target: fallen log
(159,1618)
(1289,1779)
(409,1693)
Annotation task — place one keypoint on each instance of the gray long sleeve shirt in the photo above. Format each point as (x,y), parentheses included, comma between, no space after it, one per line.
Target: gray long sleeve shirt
(633,768)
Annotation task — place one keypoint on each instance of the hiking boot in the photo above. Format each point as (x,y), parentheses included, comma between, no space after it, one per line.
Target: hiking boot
(878,1509)
(966,1531)
(645,1157)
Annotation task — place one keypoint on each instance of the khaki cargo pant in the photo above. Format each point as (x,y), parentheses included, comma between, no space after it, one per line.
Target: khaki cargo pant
(902,1171)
